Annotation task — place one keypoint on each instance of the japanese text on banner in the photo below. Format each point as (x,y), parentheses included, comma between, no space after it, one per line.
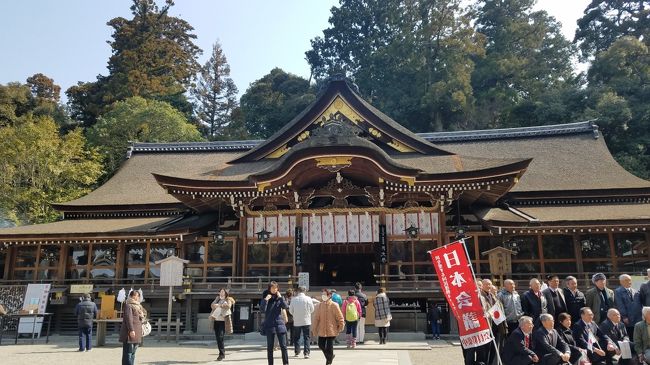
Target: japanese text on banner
(458,285)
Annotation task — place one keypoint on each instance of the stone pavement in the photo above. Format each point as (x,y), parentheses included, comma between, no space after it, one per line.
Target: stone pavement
(62,350)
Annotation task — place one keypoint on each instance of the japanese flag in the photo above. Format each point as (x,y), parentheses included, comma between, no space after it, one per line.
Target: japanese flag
(497,314)
(591,340)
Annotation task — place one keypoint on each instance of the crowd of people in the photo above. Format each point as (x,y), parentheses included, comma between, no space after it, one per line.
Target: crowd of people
(303,318)
(551,324)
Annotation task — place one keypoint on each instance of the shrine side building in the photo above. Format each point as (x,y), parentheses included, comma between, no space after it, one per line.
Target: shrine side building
(346,194)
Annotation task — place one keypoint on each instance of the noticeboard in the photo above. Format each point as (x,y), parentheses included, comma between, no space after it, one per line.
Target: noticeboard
(171,271)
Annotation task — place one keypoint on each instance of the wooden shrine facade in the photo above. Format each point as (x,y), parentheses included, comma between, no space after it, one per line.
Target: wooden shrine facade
(338,187)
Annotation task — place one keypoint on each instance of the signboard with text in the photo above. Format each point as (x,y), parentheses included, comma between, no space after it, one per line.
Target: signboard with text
(458,284)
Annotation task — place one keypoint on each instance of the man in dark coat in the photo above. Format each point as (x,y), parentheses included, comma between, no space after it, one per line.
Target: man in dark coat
(533,302)
(273,325)
(575,299)
(644,292)
(556,303)
(549,346)
(518,347)
(86,312)
(588,336)
(615,330)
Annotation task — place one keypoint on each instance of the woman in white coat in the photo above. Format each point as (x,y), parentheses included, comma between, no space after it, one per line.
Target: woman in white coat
(382,314)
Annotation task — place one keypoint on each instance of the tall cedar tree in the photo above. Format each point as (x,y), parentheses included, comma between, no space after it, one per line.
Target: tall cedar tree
(412,59)
(526,56)
(605,21)
(153,56)
(216,95)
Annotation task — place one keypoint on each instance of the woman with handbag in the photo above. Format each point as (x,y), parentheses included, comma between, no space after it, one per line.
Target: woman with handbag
(275,324)
(222,317)
(131,332)
(382,314)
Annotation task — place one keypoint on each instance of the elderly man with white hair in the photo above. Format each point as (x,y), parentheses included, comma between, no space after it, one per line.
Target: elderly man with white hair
(628,303)
(615,330)
(533,302)
(642,338)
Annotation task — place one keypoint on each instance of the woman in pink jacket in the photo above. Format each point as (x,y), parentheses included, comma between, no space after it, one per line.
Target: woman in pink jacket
(352,313)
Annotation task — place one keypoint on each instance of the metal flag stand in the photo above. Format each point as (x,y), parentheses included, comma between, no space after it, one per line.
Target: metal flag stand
(471,267)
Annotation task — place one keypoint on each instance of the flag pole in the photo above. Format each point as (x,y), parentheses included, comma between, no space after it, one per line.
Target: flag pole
(471,267)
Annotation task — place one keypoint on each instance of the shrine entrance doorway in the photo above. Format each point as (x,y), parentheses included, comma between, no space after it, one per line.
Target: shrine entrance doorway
(341,265)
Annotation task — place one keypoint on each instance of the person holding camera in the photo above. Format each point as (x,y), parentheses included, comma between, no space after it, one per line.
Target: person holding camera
(273,305)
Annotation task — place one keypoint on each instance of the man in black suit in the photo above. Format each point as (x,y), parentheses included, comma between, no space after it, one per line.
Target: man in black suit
(574,298)
(518,347)
(548,345)
(554,297)
(533,302)
(615,329)
(588,336)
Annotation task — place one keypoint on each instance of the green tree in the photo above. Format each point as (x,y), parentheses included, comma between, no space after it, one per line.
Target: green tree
(274,100)
(38,166)
(138,120)
(215,93)
(526,56)
(236,129)
(153,56)
(412,59)
(605,21)
(619,82)
(39,97)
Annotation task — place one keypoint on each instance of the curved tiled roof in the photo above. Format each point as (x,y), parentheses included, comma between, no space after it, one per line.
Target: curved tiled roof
(564,157)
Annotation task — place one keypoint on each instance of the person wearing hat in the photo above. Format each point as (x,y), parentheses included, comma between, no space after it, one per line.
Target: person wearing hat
(599,298)
(86,311)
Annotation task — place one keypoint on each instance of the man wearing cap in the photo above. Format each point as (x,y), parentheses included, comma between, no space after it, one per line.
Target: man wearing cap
(600,298)
(86,311)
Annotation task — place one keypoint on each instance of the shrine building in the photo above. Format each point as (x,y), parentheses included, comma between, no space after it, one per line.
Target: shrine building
(343,193)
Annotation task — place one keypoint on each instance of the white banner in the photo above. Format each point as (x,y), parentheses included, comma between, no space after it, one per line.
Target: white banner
(335,228)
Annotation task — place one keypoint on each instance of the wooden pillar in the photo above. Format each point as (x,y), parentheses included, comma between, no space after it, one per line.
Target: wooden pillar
(63,260)
(577,249)
(240,264)
(540,242)
(8,262)
(120,260)
(612,250)
(443,224)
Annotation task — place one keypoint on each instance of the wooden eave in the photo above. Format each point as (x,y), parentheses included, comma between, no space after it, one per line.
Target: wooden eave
(131,208)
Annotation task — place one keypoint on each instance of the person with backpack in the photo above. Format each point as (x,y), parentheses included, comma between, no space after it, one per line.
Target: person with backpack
(85,311)
(352,313)
(382,314)
(363,300)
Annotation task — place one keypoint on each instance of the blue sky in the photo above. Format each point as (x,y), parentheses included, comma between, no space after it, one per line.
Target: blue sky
(66,39)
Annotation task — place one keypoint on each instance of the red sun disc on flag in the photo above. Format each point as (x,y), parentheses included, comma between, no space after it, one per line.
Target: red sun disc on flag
(497,314)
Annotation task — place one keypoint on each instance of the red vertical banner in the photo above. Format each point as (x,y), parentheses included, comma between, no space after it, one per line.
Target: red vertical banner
(457,283)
